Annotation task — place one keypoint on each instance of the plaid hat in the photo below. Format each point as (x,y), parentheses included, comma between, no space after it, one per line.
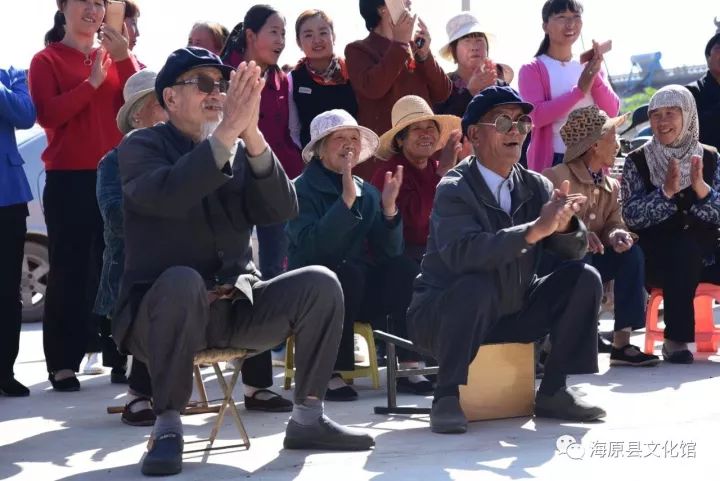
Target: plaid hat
(711,43)
(583,128)
(182,60)
(491,97)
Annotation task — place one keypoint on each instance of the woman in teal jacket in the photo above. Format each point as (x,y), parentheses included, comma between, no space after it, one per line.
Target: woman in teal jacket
(348,226)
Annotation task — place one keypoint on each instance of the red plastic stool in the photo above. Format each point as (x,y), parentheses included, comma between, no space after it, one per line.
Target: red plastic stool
(706,334)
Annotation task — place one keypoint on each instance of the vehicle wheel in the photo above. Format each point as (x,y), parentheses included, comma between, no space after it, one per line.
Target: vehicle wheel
(36,265)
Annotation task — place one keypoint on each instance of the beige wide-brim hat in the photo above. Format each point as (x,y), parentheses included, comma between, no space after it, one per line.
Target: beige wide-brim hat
(407,111)
(137,87)
(584,127)
(331,121)
(460,25)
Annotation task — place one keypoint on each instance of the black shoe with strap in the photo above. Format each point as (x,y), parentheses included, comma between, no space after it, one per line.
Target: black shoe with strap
(143,417)
(274,403)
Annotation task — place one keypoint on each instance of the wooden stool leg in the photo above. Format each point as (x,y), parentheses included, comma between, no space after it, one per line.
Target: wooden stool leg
(200,386)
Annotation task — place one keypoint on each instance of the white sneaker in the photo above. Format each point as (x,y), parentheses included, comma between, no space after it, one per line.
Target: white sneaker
(92,365)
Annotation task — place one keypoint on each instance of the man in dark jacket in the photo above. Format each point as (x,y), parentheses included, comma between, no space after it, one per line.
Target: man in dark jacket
(707,95)
(191,194)
(490,223)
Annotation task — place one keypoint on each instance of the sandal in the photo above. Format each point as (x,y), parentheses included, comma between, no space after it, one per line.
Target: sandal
(144,417)
(275,404)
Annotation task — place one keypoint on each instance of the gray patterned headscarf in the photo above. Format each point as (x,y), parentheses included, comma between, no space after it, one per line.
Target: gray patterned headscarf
(658,156)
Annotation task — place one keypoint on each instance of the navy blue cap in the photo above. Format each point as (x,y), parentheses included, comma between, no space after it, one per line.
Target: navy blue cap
(491,97)
(182,60)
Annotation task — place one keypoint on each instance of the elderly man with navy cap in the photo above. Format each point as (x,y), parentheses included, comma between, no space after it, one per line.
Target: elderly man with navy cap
(191,194)
(706,91)
(491,221)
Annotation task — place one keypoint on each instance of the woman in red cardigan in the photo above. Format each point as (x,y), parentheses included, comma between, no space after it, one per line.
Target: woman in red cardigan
(415,136)
(76,86)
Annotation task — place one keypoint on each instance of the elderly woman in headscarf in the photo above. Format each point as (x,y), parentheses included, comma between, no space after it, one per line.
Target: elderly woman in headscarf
(355,230)
(671,199)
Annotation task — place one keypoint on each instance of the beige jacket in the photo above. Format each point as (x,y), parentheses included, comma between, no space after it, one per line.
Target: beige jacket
(601,213)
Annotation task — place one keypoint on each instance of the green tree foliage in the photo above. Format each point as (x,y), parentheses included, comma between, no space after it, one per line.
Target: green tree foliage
(629,104)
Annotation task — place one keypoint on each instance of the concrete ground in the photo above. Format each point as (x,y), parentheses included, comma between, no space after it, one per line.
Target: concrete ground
(663,423)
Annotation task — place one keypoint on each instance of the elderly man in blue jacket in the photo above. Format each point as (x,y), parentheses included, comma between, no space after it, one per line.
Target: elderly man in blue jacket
(16,112)
(491,221)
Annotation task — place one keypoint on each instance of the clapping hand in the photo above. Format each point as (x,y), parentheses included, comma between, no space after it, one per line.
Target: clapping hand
(556,214)
(391,189)
(701,188)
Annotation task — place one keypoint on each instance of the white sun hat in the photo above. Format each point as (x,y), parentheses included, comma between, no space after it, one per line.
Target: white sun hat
(331,121)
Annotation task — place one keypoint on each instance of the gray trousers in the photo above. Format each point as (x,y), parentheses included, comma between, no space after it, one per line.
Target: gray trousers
(174,321)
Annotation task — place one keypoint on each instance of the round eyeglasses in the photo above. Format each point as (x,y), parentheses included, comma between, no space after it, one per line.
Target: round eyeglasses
(503,124)
(206,84)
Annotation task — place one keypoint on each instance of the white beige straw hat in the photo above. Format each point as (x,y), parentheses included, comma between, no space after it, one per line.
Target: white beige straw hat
(409,110)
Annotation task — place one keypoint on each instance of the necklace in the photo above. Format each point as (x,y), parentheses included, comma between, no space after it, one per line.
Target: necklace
(87,62)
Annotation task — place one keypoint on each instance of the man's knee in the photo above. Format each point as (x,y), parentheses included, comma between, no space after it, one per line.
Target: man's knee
(178,290)
(583,276)
(321,278)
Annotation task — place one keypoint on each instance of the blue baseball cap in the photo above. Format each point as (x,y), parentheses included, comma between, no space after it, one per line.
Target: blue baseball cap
(182,60)
(491,97)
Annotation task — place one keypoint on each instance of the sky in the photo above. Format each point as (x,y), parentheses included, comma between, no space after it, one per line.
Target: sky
(680,32)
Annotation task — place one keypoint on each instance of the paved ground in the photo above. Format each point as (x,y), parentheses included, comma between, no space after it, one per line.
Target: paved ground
(662,423)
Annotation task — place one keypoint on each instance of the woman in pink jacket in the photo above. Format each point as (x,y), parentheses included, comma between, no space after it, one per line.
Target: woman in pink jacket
(556,83)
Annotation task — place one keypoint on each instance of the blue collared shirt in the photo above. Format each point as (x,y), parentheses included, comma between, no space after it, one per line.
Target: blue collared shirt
(499,186)
(16,112)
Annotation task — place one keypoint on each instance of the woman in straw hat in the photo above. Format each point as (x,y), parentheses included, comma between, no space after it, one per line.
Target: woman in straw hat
(415,136)
(140,110)
(469,46)
(671,199)
(348,226)
(591,145)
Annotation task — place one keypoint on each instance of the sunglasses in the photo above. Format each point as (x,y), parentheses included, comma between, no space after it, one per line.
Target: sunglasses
(504,124)
(206,84)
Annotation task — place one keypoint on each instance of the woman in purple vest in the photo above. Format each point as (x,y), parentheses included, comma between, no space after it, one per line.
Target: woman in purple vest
(319,82)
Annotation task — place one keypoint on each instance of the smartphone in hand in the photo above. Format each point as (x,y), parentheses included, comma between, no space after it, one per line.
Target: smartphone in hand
(588,55)
(115,15)
(396,8)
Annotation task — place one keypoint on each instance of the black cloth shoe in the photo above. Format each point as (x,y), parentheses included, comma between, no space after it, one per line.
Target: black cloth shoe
(326,434)
(604,346)
(144,417)
(164,456)
(678,357)
(422,388)
(447,417)
(345,393)
(118,376)
(276,404)
(69,384)
(630,355)
(13,388)
(566,405)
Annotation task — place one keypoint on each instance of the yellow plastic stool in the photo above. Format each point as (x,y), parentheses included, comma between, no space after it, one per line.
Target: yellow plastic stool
(371,370)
